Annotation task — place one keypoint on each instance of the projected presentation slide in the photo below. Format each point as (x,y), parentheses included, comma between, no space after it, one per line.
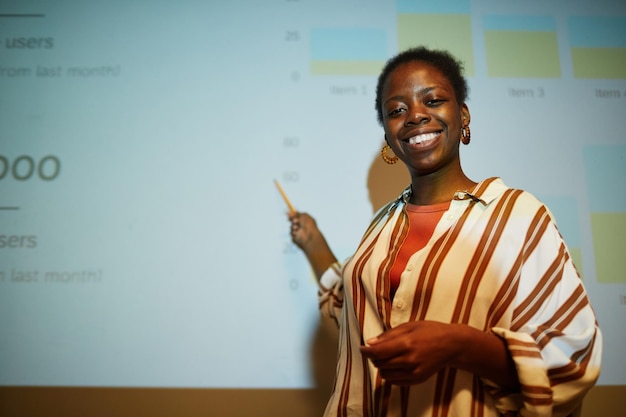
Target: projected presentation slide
(143,241)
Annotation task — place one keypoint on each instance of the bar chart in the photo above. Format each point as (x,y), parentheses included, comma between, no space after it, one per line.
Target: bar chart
(598,46)
(521,46)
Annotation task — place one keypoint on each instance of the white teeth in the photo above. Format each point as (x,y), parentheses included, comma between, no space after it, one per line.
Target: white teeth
(422,138)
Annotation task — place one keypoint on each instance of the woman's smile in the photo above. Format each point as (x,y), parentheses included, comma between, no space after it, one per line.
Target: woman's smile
(423,138)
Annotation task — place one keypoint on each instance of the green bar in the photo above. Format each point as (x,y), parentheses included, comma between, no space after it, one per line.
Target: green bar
(428,30)
(607,63)
(608,231)
(346,67)
(522,54)
(577,258)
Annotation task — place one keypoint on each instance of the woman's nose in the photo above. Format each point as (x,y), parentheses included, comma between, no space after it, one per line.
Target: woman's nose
(417,114)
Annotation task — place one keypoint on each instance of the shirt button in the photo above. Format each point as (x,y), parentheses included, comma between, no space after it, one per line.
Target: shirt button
(460,195)
(399,305)
(449,216)
(409,267)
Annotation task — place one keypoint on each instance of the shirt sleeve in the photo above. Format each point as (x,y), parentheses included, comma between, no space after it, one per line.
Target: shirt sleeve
(554,338)
(330,293)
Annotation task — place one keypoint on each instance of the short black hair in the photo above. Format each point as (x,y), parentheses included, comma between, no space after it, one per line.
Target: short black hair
(444,61)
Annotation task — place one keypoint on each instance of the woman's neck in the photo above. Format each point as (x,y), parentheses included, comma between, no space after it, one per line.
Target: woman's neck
(429,190)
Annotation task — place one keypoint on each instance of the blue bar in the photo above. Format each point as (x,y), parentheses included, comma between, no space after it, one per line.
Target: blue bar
(519,23)
(565,211)
(433,6)
(605,170)
(597,32)
(343,44)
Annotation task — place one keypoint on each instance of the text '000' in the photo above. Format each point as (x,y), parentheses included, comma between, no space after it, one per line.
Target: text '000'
(26,167)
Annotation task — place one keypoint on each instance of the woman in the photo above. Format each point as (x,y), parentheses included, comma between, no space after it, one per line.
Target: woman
(462,298)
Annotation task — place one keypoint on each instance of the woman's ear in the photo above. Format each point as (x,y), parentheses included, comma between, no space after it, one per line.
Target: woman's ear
(465,115)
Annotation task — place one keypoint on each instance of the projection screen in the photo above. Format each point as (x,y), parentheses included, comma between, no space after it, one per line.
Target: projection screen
(143,242)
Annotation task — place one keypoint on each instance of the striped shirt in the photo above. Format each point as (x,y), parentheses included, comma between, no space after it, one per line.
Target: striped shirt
(496,262)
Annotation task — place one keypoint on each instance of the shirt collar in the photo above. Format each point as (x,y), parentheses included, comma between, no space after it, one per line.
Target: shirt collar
(484,192)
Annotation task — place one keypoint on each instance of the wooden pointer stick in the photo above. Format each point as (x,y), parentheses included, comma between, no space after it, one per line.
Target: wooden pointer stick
(292,209)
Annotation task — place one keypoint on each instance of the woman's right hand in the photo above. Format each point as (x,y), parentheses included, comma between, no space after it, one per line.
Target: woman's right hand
(306,235)
(304,231)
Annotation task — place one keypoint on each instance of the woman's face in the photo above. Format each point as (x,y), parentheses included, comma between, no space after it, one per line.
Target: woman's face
(422,118)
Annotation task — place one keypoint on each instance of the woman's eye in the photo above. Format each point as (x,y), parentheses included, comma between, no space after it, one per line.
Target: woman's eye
(394,112)
(434,101)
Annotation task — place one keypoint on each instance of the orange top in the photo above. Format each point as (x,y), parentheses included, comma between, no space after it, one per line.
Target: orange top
(422,223)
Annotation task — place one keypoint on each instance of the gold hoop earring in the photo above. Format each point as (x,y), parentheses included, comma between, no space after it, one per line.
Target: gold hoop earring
(387,158)
(465,135)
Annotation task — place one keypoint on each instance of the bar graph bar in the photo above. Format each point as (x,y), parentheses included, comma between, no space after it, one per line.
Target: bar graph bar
(521,46)
(605,171)
(565,211)
(437,24)
(598,46)
(348,51)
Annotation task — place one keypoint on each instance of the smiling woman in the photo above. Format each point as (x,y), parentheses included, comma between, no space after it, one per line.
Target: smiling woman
(423,124)
(462,298)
